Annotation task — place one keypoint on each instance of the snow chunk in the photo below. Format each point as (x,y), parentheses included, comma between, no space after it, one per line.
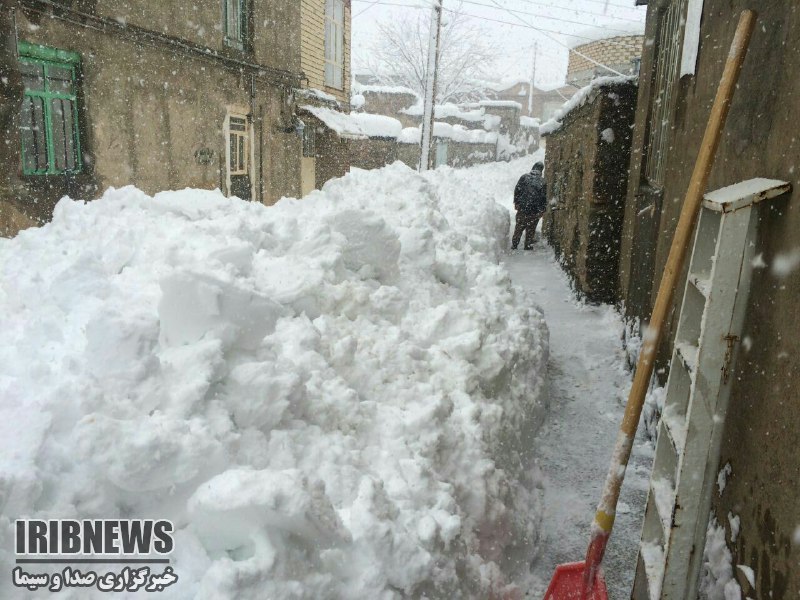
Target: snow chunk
(717,581)
(579,99)
(786,262)
(722,477)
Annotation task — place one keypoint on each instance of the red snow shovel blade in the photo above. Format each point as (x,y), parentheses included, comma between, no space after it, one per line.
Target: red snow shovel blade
(567,584)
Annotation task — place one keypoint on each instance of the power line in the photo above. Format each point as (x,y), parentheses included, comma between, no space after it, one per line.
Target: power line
(361,12)
(585,12)
(591,60)
(483,18)
(522,12)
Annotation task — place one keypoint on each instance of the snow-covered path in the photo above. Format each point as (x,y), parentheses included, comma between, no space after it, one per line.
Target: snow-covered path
(588,386)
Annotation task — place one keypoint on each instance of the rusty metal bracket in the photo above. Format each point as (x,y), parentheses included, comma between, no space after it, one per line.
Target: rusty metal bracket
(730,340)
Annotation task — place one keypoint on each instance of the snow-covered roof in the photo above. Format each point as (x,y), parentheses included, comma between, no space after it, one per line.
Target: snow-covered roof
(579,99)
(356,126)
(315,94)
(357,101)
(500,104)
(362,88)
(529,122)
(594,34)
(340,122)
(505,84)
(456,133)
(472,113)
(377,125)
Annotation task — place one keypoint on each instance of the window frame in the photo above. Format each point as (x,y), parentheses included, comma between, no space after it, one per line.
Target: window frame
(240,42)
(666,74)
(309,141)
(334,43)
(241,156)
(48,58)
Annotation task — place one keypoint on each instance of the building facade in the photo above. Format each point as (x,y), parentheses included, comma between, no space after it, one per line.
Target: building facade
(758,507)
(162,95)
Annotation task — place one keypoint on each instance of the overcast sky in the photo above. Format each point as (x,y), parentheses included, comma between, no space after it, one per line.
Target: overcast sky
(515,40)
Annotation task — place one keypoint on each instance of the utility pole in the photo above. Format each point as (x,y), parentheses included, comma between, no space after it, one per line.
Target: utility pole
(430,86)
(533,79)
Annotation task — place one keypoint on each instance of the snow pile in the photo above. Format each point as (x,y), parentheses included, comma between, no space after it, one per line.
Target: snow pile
(717,580)
(330,398)
(581,97)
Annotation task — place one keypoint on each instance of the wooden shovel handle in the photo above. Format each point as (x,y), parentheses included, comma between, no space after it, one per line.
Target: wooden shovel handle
(604,519)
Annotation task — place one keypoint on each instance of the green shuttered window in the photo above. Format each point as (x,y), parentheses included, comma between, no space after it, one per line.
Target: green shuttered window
(49,119)
(235,17)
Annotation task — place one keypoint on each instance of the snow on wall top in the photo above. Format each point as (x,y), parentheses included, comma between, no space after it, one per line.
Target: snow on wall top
(470,112)
(357,126)
(456,133)
(579,99)
(362,88)
(500,104)
(377,125)
(318,94)
(531,122)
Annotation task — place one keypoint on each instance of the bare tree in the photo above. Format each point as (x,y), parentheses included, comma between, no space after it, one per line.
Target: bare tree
(399,55)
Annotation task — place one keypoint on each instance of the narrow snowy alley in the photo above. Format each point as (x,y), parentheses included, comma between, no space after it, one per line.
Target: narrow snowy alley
(588,386)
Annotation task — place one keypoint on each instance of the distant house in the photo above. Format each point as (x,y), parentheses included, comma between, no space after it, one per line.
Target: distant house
(538,101)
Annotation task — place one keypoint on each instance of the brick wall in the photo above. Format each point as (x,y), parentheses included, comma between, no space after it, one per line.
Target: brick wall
(616,52)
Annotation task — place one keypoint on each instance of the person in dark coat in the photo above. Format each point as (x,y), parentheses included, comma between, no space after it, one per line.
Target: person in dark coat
(530,202)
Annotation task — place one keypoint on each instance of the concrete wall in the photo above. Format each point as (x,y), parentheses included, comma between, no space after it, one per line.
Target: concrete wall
(333,156)
(467,155)
(586,170)
(146,108)
(409,154)
(762,432)
(458,154)
(390,104)
(373,153)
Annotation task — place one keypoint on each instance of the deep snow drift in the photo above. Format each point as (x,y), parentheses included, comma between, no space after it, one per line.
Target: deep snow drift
(331,398)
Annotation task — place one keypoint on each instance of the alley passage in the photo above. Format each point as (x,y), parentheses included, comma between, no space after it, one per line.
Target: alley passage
(588,387)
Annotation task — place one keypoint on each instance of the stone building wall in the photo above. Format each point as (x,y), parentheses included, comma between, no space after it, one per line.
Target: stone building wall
(586,172)
(152,109)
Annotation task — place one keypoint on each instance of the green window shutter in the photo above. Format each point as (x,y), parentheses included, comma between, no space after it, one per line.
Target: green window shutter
(49,121)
